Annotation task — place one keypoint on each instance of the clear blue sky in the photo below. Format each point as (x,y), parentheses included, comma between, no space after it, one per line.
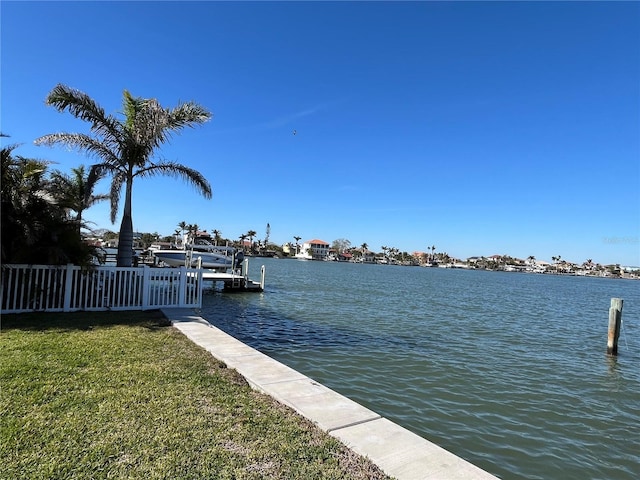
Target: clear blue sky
(481,128)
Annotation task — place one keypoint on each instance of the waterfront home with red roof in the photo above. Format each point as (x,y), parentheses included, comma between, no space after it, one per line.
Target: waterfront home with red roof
(315,249)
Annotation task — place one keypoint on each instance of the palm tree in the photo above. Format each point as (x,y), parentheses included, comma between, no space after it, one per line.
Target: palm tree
(23,200)
(34,228)
(297,239)
(126,148)
(75,192)
(251,234)
(192,230)
(242,238)
(217,236)
(183,228)
(364,248)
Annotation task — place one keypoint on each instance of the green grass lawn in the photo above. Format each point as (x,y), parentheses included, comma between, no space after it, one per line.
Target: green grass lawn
(125,395)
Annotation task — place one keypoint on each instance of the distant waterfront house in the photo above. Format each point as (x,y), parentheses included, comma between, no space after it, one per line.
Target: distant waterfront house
(368,256)
(474,260)
(316,249)
(420,257)
(345,257)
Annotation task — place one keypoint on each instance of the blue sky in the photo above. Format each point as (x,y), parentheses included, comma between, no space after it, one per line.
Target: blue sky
(481,128)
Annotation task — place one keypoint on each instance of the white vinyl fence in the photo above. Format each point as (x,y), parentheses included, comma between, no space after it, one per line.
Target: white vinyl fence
(30,288)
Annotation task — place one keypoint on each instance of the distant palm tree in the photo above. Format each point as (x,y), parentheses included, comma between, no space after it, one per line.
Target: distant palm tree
(192,230)
(217,235)
(242,237)
(251,234)
(183,228)
(75,192)
(297,239)
(126,147)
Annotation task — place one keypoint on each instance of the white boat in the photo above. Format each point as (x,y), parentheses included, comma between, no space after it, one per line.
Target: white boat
(201,252)
(304,255)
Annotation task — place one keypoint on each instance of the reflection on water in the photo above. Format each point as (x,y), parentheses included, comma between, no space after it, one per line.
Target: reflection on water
(506,370)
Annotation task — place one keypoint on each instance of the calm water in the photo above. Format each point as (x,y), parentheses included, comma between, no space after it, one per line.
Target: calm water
(506,370)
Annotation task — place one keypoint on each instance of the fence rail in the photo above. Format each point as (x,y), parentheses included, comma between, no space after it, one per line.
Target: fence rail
(31,288)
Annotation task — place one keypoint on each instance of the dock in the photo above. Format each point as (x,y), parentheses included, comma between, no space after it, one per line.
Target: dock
(234,280)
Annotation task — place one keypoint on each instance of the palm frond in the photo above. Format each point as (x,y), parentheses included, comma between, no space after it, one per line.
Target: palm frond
(119,179)
(152,125)
(186,115)
(82,143)
(91,201)
(177,170)
(93,177)
(82,106)
(100,170)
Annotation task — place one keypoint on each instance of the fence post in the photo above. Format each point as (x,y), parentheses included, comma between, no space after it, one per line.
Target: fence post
(615,319)
(68,287)
(182,286)
(146,286)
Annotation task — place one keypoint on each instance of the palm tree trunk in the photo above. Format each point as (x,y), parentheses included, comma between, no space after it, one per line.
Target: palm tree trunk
(125,242)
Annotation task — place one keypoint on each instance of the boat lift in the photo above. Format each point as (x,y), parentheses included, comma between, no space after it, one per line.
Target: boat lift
(234,280)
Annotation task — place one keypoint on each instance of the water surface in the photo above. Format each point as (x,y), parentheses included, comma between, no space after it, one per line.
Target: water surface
(506,370)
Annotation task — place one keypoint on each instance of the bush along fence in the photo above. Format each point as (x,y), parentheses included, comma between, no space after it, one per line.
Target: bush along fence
(31,288)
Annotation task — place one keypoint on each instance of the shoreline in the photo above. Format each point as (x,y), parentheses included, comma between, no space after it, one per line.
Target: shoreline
(399,452)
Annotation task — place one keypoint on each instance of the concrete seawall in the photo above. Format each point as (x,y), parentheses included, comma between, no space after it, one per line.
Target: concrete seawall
(397,451)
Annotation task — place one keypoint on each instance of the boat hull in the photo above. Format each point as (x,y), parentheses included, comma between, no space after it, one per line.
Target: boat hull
(178,258)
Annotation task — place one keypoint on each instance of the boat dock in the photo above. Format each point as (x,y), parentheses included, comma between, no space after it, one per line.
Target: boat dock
(236,281)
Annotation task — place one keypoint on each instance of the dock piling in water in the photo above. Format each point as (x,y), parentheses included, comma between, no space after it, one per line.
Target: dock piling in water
(615,319)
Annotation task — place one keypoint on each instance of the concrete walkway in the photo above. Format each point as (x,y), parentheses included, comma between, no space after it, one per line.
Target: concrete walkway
(397,451)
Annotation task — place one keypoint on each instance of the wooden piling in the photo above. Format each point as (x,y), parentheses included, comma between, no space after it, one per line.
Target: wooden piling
(615,319)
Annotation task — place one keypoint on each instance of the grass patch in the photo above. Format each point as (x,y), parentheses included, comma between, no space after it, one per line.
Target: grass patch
(124,395)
